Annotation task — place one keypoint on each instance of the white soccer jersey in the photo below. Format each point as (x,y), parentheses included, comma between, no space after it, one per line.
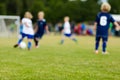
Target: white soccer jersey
(27,29)
(67,29)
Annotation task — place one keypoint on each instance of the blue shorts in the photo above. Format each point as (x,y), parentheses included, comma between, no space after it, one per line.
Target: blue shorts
(27,35)
(68,35)
(39,35)
(104,38)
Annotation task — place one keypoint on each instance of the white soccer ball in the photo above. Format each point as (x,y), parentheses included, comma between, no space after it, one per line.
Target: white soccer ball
(22,45)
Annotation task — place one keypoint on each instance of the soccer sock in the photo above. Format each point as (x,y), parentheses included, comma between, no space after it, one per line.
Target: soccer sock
(75,40)
(20,40)
(96,45)
(36,42)
(29,45)
(104,46)
(62,41)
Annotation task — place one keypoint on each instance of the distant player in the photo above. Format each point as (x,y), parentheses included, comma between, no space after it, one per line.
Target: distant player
(101,25)
(40,28)
(67,30)
(27,30)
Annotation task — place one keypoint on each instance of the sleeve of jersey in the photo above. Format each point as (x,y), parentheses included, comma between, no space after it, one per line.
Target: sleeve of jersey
(23,21)
(112,19)
(37,23)
(64,26)
(96,20)
(45,23)
(29,24)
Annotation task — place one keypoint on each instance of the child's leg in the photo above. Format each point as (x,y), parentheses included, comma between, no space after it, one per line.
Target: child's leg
(62,40)
(29,44)
(36,41)
(104,46)
(37,38)
(104,43)
(30,38)
(97,43)
(19,41)
(73,38)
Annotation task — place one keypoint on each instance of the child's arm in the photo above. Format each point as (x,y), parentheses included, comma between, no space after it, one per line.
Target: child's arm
(26,24)
(95,25)
(62,31)
(47,29)
(117,26)
(35,28)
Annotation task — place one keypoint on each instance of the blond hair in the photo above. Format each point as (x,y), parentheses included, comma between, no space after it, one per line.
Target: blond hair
(105,7)
(28,15)
(41,13)
(67,18)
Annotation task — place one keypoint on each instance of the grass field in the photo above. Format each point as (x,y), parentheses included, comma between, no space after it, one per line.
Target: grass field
(52,61)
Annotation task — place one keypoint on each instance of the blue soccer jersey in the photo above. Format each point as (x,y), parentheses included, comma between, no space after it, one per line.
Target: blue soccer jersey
(103,20)
(41,26)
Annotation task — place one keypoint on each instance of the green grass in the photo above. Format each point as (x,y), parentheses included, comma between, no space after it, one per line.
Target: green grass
(52,61)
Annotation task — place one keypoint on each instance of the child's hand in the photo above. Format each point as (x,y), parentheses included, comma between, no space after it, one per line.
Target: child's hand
(95,25)
(117,28)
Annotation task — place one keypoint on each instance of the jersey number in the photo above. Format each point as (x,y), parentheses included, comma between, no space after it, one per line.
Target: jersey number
(103,21)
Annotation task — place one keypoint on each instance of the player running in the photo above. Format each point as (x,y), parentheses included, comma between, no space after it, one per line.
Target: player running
(27,30)
(40,28)
(67,30)
(101,25)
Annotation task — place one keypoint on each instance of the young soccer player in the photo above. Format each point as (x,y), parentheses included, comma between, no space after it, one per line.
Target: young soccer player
(27,30)
(101,25)
(67,30)
(40,28)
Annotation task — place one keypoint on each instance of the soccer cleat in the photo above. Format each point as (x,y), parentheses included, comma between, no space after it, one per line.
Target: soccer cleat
(29,49)
(96,52)
(62,41)
(37,46)
(105,52)
(16,45)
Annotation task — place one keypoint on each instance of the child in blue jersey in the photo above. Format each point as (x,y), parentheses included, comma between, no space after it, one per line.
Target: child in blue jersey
(67,30)
(27,30)
(40,28)
(101,25)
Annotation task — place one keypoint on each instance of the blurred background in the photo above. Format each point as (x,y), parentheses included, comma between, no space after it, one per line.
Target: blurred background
(81,12)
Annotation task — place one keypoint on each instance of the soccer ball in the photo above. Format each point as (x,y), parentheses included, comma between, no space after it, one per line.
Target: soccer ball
(22,45)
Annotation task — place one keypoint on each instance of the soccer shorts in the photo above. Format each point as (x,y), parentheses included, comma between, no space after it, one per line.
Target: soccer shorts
(68,35)
(40,35)
(27,35)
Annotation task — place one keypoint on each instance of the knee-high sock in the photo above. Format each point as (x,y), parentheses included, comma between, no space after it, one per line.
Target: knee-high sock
(62,41)
(36,42)
(104,46)
(75,40)
(20,40)
(29,45)
(96,45)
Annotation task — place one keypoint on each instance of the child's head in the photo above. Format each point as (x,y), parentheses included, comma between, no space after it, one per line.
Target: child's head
(41,15)
(105,7)
(28,15)
(66,18)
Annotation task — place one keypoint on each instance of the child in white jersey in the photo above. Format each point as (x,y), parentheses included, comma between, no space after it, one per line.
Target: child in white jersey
(27,30)
(67,30)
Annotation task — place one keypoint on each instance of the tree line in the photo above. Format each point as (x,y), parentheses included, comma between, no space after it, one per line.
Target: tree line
(55,10)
